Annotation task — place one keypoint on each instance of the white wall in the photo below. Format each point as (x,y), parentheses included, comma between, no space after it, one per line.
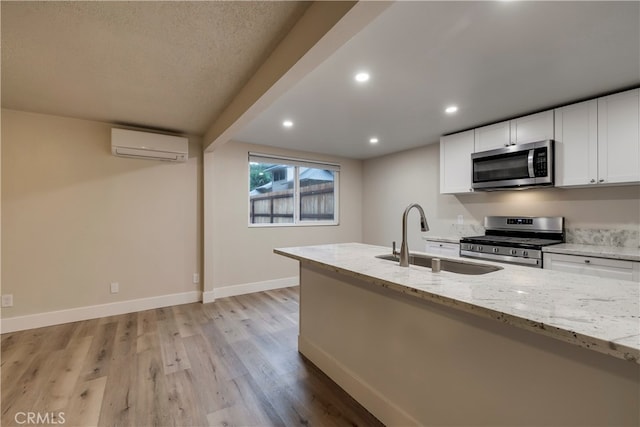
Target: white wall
(237,255)
(394,181)
(75,218)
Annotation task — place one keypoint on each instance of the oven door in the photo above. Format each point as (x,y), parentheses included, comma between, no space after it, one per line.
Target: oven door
(528,262)
(517,166)
(511,255)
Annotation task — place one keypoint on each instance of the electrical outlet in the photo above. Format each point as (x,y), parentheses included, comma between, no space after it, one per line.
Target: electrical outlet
(460,220)
(115,287)
(7,300)
(196,278)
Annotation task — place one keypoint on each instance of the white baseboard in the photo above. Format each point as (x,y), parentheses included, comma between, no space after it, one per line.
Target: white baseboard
(249,288)
(19,323)
(381,407)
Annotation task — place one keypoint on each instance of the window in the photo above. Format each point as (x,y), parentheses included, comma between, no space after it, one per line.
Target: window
(287,191)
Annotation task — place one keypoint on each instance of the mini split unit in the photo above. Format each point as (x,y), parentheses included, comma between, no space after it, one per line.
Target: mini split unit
(150,146)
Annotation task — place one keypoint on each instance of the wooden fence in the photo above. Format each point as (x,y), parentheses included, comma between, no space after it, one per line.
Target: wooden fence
(316,204)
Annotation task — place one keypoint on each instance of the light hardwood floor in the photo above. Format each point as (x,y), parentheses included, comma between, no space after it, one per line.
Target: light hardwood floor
(233,362)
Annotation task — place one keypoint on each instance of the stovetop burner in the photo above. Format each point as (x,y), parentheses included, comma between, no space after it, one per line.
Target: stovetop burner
(515,240)
(529,242)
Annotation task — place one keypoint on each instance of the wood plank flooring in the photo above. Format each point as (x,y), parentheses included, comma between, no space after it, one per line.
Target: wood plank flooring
(233,362)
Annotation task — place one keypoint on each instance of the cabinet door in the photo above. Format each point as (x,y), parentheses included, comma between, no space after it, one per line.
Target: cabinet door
(455,162)
(450,249)
(590,266)
(492,136)
(442,248)
(576,147)
(531,128)
(619,137)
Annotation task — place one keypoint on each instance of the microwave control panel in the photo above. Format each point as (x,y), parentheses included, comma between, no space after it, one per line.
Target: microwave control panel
(540,162)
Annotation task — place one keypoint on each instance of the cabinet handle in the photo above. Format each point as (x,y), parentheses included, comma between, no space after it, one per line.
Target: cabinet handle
(507,144)
(592,181)
(601,180)
(587,261)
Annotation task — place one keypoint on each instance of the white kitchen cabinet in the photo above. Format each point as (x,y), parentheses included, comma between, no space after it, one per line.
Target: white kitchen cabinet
(455,162)
(619,138)
(531,128)
(576,146)
(598,141)
(593,266)
(492,136)
(442,248)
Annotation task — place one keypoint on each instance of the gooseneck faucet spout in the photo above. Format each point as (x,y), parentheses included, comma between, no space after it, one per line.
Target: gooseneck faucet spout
(404,247)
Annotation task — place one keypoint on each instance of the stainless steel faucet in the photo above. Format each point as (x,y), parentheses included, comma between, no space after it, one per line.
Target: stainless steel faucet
(404,247)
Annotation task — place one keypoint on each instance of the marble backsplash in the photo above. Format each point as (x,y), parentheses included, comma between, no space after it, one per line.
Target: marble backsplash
(465,230)
(604,237)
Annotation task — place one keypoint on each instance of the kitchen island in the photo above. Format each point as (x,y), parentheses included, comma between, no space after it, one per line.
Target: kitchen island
(519,346)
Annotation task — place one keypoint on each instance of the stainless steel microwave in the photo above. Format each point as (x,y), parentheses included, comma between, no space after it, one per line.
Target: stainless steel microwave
(514,167)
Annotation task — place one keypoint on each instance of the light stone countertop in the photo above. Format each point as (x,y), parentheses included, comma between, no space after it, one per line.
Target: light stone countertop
(612,252)
(599,314)
(443,239)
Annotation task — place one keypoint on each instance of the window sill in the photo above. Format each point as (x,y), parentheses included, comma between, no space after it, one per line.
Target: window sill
(301,224)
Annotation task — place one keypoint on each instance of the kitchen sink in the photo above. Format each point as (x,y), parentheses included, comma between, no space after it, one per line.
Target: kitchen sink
(453,266)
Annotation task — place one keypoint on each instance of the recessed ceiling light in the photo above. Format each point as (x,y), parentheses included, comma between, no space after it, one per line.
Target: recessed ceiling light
(362,77)
(451,109)
(373,140)
(287,123)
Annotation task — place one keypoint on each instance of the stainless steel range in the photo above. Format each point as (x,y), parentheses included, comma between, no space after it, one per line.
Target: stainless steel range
(515,240)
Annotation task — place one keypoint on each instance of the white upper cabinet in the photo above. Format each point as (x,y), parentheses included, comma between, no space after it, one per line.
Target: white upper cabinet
(576,146)
(534,127)
(619,138)
(455,162)
(531,128)
(598,141)
(492,136)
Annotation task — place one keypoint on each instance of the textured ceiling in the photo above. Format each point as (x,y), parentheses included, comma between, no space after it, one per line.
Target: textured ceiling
(164,65)
(495,60)
(182,66)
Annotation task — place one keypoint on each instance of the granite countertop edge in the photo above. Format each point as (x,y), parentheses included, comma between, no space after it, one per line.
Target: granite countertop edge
(616,347)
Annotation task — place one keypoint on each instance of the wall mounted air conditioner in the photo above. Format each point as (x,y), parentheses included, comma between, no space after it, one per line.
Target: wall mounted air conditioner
(150,146)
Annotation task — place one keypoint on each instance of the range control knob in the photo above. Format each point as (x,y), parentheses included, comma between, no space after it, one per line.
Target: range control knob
(479,248)
(525,253)
(496,250)
(514,252)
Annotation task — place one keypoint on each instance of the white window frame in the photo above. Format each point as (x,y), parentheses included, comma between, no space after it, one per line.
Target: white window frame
(297,164)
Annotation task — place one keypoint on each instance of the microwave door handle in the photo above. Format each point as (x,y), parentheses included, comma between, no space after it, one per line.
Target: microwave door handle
(530,164)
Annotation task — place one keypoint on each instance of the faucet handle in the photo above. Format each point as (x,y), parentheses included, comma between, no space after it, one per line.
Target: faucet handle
(393,251)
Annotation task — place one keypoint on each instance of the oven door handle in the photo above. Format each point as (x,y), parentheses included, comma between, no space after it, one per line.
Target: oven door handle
(532,173)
